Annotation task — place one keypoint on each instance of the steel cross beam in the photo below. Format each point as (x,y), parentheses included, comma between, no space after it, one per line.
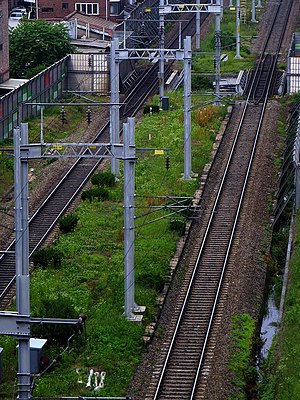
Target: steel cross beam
(149,54)
(18,325)
(179,8)
(74,150)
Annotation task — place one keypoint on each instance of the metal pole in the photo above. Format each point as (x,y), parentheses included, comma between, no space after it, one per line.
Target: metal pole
(114,97)
(253,12)
(42,125)
(179,36)
(187,108)
(21,253)
(238,29)
(259,5)
(218,55)
(198,23)
(128,225)
(161,73)
(231,3)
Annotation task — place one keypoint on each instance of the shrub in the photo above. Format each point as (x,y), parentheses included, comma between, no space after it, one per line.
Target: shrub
(60,307)
(201,82)
(103,179)
(177,225)
(153,278)
(49,256)
(68,223)
(87,195)
(100,193)
(151,108)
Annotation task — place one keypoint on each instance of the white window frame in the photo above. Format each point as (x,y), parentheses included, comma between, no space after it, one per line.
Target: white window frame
(83,7)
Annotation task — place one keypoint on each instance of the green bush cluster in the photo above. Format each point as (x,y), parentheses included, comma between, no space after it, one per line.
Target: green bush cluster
(177,225)
(68,223)
(201,82)
(103,179)
(151,108)
(47,257)
(59,307)
(99,192)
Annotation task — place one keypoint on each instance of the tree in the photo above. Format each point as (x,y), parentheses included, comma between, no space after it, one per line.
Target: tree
(35,45)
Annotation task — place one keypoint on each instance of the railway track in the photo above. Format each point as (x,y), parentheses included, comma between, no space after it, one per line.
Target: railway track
(188,345)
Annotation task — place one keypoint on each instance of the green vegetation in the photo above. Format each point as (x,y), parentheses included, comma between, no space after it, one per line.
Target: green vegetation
(204,63)
(89,278)
(241,363)
(281,371)
(35,45)
(6,168)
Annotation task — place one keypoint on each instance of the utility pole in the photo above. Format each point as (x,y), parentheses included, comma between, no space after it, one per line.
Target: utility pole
(129,178)
(22,258)
(253,19)
(187,60)
(238,29)
(198,27)
(114,128)
(161,73)
(218,55)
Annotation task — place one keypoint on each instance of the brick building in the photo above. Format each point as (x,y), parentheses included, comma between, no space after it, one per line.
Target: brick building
(4,48)
(55,10)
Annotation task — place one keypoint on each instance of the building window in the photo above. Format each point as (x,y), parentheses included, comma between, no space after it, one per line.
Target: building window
(47,9)
(114,8)
(1,47)
(88,8)
(65,6)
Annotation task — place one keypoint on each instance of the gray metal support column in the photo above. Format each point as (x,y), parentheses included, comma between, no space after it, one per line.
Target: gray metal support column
(218,55)
(230,3)
(198,27)
(253,19)
(161,73)
(187,108)
(238,28)
(114,99)
(259,5)
(22,262)
(128,139)
(297,186)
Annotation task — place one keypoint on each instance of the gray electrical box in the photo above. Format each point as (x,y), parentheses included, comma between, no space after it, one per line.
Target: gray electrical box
(165,103)
(1,370)
(36,352)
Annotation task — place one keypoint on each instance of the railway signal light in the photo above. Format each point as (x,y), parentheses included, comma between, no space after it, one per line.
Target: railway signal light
(167,163)
(215,63)
(63,115)
(89,115)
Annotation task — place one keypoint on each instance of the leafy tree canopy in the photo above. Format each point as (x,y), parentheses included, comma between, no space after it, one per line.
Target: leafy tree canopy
(35,45)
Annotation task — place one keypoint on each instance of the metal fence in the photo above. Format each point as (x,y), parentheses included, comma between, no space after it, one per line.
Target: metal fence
(75,72)
(89,73)
(293,66)
(47,86)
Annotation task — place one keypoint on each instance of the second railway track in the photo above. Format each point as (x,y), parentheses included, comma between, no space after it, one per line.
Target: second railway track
(182,375)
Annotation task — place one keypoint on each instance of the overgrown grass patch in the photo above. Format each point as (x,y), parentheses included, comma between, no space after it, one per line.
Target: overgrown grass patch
(241,363)
(281,373)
